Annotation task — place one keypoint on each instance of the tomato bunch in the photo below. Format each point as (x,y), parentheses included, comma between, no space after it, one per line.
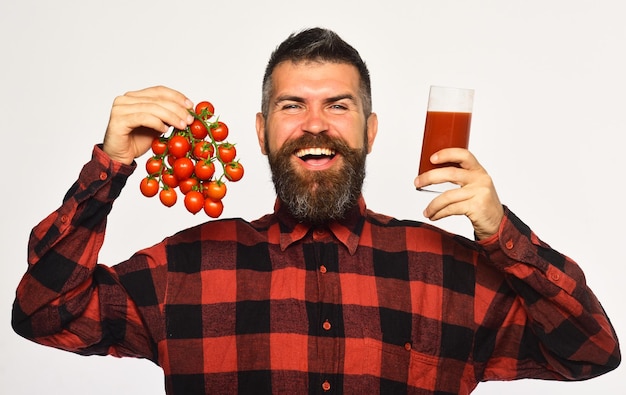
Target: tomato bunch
(186,160)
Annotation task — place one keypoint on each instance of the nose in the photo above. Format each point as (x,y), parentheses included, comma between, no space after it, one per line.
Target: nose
(315,121)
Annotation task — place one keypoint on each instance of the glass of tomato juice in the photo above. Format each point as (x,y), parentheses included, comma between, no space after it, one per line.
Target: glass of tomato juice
(448,120)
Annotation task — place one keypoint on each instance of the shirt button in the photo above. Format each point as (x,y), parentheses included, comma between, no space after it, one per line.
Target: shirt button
(64,218)
(407,346)
(509,244)
(326,386)
(323,269)
(326,325)
(103,176)
(555,276)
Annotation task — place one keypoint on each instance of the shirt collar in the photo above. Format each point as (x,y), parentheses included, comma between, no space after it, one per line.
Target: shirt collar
(347,230)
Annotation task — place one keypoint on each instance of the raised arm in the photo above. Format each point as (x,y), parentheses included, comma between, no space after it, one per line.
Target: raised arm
(66,299)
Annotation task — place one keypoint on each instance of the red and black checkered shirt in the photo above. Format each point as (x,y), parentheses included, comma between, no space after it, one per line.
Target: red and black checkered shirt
(366,305)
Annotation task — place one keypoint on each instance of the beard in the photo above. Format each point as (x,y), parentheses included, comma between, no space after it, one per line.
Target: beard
(318,197)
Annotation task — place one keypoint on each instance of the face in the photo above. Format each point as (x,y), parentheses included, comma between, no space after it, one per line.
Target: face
(316,137)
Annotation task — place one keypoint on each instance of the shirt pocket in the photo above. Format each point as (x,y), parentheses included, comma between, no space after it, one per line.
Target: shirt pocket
(401,364)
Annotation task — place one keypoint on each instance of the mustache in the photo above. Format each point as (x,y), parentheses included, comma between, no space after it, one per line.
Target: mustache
(321,140)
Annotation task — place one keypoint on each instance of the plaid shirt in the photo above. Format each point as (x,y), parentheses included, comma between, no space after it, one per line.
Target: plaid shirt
(369,304)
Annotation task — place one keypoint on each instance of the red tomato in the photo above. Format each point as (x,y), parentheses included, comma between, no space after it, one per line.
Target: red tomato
(183,168)
(215,190)
(153,165)
(219,132)
(205,169)
(170,160)
(178,146)
(198,130)
(226,152)
(159,146)
(203,149)
(168,178)
(213,208)
(233,171)
(205,109)
(194,201)
(149,186)
(168,197)
(188,185)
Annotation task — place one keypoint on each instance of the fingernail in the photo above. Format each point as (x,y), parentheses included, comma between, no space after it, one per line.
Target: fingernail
(189,119)
(188,103)
(182,125)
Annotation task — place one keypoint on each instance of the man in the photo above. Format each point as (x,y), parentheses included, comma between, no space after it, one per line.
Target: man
(323,295)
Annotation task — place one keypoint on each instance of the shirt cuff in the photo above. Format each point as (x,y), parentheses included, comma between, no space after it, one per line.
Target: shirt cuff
(514,243)
(113,166)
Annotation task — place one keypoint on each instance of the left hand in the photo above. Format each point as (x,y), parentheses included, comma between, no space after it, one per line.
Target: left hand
(476,198)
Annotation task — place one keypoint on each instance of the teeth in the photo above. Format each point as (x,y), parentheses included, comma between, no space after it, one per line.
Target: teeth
(317,151)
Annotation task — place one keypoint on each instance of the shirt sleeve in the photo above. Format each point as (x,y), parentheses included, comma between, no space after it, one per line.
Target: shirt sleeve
(543,321)
(66,300)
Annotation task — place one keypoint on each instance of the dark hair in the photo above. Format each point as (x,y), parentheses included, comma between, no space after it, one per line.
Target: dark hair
(317,44)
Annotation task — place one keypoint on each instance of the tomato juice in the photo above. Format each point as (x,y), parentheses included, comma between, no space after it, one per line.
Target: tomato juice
(443,130)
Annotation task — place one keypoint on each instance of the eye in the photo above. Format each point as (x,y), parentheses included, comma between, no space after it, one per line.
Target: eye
(291,107)
(338,108)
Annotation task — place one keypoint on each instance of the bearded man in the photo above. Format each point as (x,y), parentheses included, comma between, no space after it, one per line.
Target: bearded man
(322,295)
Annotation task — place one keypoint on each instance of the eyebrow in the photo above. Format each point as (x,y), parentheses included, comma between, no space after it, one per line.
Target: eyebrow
(331,99)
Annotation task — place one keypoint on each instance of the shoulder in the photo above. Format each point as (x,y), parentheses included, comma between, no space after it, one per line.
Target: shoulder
(417,231)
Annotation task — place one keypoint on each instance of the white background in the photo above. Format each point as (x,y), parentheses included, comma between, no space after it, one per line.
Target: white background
(548,125)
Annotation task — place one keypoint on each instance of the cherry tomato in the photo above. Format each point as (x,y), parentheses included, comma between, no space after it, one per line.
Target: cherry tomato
(194,201)
(203,150)
(149,186)
(153,165)
(219,132)
(178,146)
(233,171)
(185,160)
(168,178)
(213,208)
(168,197)
(204,169)
(205,109)
(159,146)
(198,130)
(215,190)
(183,168)
(226,152)
(188,185)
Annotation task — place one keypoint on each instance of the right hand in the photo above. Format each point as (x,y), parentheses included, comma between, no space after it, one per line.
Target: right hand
(138,117)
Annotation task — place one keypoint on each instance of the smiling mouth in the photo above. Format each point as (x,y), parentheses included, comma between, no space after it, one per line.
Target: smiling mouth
(314,153)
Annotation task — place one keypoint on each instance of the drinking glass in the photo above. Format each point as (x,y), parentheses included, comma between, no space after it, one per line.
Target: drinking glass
(448,119)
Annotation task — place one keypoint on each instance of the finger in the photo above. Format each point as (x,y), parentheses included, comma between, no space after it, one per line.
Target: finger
(459,156)
(447,203)
(171,99)
(162,93)
(169,113)
(124,124)
(450,174)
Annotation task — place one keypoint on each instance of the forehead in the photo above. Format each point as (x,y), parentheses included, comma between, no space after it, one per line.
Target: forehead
(309,76)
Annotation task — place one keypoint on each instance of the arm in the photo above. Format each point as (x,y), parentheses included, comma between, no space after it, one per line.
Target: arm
(545,322)
(65,299)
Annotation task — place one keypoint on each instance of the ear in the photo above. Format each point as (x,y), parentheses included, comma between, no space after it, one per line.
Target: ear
(260,131)
(372,129)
